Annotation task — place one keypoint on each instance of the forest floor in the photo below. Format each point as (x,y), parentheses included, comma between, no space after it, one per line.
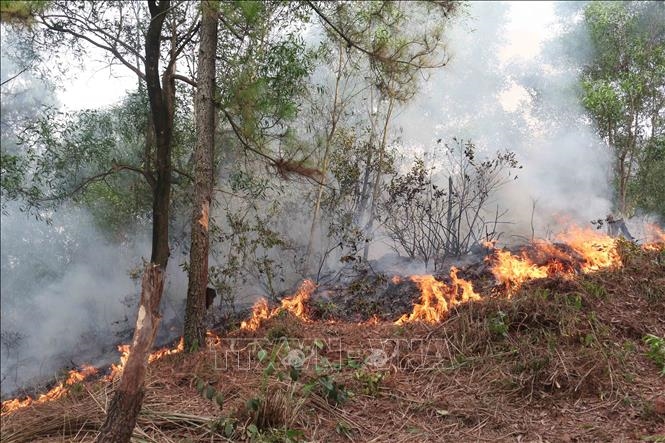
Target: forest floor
(562,360)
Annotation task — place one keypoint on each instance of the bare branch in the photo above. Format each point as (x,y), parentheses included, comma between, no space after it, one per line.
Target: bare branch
(13,77)
(185,79)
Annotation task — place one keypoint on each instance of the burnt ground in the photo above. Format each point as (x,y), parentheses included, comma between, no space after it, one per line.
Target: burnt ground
(557,360)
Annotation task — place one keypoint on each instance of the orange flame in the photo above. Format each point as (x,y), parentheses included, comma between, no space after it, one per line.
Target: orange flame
(437,297)
(592,251)
(116,370)
(295,305)
(74,376)
(512,271)
(597,249)
(655,238)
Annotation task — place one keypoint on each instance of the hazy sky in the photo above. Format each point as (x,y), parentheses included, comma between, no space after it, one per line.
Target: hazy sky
(529,25)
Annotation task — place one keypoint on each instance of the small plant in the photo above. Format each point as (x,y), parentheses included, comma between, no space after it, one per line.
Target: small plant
(593,289)
(225,426)
(370,381)
(656,350)
(209,392)
(497,324)
(575,301)
(332,391)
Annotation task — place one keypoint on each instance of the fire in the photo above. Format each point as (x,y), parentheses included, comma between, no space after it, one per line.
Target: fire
(585,250)
(598,250)
(295,305)
(512,270)
(654,234)
(166,351)
(74,376)
(437,298)
(116,369)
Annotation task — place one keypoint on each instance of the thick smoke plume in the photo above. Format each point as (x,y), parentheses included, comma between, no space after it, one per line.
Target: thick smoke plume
(529,106)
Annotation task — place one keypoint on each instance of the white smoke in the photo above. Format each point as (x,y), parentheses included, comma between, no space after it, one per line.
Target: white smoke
(494,95)
(67,294)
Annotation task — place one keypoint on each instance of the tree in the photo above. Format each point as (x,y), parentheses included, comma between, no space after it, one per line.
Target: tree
(194,334)
(394,52)
(624,86)
(104,26)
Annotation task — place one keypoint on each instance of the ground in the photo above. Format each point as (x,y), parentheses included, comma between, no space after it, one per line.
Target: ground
(559,359)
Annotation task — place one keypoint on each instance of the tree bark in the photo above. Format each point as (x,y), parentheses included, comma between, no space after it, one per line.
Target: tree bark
(203,180)
(128,397)
(162,101)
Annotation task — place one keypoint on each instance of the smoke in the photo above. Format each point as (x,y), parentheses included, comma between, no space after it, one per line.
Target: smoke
(490,93)
(67,294)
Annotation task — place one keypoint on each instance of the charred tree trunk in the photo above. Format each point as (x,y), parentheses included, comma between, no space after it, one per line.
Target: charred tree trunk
(128,397)
(203,180)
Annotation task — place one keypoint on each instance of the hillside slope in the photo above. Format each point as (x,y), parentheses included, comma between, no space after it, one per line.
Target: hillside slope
(560,359)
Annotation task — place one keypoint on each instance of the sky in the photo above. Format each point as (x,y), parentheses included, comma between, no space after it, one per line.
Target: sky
(530,23)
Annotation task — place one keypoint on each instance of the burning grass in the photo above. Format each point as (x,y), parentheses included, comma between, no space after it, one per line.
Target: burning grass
(561,359)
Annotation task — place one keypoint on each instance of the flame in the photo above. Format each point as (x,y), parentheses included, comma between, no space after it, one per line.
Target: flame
(116,369)
(512,270)
(589,251)
(654,234)
(166,351)
(74,376)
(598,250)
(295,305)
(437,298)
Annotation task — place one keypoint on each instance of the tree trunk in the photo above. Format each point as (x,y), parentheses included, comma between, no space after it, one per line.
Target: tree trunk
(376,188)
(126,403)
(334,119)
(162,102)
(203,180)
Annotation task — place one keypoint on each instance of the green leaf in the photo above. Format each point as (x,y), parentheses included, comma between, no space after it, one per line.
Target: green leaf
(228,429)
(262,354)
(210,392)
(219,399)
(294,373)
(253,404)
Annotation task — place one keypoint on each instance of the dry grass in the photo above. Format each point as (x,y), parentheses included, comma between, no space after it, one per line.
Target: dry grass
(562,360)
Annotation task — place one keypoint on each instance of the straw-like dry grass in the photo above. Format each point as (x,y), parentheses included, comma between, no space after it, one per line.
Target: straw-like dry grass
(562,360)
